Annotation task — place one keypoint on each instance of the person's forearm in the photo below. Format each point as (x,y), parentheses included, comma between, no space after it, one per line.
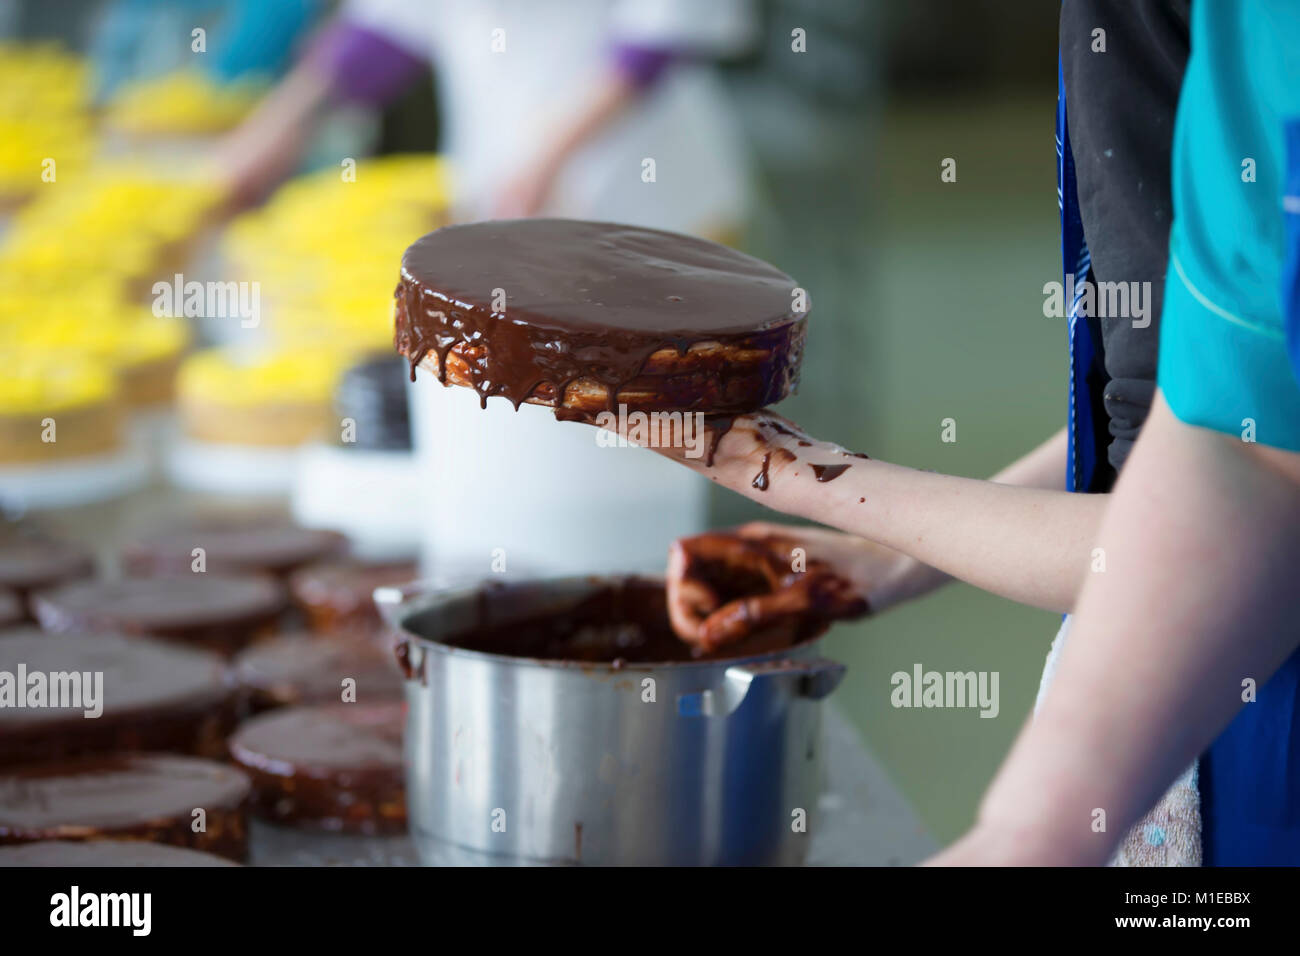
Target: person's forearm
(1043,467)
(1203,539)
(1027,544)
(269,144)
(286,112)
(1022,542)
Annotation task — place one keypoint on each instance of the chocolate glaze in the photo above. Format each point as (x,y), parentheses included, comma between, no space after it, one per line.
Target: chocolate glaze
(594,301)
(339,596)
(134,796)
(310,668)
(220,612)
(616,620)
(718,426)
(105,853)
(829,472)
(239,547)
(337,767)
(155,697)
(766,421)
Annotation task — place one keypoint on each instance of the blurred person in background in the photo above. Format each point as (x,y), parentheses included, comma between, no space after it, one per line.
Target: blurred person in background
(597,109)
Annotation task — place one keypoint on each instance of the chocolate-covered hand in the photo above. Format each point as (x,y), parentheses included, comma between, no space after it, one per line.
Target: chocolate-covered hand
(725,586)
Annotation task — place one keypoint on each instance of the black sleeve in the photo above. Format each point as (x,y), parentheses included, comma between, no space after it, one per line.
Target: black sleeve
(1121,107)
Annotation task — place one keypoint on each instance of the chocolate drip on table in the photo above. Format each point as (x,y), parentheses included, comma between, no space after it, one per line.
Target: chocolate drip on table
(595,301)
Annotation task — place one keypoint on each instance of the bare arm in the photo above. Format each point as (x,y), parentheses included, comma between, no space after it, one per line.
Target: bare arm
(268,145)
(906,577)
(1021,541)
(1203,540)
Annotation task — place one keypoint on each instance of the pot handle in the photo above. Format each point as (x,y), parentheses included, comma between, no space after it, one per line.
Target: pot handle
(814,679)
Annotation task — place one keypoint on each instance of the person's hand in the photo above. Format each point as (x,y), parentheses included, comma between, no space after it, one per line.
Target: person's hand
(871,570)
(725,585)
(760,455)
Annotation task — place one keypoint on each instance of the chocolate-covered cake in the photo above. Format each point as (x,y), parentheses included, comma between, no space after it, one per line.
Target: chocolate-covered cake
(29,563)
(336,768)
(151,696)
(339,596)
(222,613)
(130,796)
(311,669)
(585,316)
(242,548)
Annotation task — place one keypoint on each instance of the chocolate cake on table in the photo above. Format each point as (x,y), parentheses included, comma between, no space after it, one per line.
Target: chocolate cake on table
(311,669)
(338,596)
(219,612)
(336,768)
(29,563)
(585,316)
(153,696)
(242,547)
(149,797)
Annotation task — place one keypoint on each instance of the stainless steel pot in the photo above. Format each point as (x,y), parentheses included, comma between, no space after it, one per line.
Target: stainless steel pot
(695,762)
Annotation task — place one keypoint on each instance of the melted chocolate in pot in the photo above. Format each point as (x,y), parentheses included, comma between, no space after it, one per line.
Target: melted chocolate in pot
(621,621)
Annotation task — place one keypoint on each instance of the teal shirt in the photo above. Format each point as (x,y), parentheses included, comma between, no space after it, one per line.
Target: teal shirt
(1232,299)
